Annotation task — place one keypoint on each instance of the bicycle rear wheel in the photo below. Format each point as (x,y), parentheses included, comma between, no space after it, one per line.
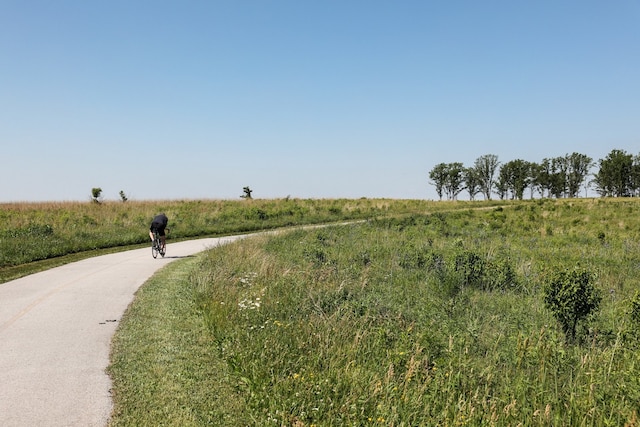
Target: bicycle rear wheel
(155,245)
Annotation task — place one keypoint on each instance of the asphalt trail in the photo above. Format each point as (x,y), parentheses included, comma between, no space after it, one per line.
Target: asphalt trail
(55,333)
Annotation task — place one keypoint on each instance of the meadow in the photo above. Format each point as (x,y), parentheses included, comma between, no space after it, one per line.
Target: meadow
(433,317)
(41,235)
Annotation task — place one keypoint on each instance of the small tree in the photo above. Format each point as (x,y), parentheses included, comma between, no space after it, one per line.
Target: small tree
(471,182)
(96,195)
(486,167)
(572,298)
(247,193)
(438,176)
(123,196)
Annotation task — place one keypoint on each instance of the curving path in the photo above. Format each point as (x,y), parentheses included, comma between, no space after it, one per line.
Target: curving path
(55,332)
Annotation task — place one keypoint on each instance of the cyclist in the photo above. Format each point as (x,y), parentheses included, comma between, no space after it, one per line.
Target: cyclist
(159,223)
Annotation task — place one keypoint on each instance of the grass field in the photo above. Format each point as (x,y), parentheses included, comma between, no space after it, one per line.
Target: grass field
(34,236)
(427,318)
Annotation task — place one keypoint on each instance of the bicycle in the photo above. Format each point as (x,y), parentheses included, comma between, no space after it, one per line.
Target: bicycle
(156,245)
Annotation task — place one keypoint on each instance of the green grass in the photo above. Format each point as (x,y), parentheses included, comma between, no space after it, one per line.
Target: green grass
(35,236)
(422,319)
(164,369)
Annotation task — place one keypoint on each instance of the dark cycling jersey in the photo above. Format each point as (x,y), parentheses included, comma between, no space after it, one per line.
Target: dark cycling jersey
(159,223)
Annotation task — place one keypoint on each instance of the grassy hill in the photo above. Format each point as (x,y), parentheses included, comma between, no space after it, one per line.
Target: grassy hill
(438,315)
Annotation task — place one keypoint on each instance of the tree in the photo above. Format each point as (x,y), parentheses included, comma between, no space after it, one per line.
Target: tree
(514,177)
(635,175)
(572,298)
(615,176)
(96,195)
(558,177)
(547,179)
(534,172)
(521,177)
(501,185)
(540,177)
(486,167)
(247,193)
(448,178)
(455,180)
(578,167)
(471,182)
(438,176)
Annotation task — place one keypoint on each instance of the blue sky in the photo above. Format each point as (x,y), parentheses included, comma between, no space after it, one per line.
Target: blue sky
(310,99)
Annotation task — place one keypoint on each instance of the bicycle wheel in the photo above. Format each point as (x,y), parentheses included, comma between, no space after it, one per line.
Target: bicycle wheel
(161,247)
(155,246)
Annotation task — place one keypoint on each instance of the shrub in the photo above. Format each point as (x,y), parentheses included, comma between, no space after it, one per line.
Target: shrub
(635,310)
(96,195)
(572,298)
(471,267)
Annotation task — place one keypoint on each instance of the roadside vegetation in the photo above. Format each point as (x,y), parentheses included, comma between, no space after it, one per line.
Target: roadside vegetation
(35,236)
(520,314)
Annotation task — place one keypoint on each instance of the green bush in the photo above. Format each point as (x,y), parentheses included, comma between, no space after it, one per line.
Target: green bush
(573,298)
(635,310)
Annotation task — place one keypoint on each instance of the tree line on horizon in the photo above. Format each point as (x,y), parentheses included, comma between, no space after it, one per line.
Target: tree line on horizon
(618,175)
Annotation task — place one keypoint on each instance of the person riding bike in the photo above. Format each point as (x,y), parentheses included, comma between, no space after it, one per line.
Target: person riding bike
(158,224)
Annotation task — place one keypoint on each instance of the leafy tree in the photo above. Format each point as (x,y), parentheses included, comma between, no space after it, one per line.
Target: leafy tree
(455,181)
(561,176)
(486,167)
(540,177)
(96,195)
(558,177)
(438,176)
(578,167)
(247,193)
(471,182)
(501,185)
(448,178)
(572,298)
(635,176)
(615,176)
(514,177)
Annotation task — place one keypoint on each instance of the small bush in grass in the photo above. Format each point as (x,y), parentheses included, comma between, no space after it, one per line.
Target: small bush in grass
(632,331)
(572,297)
(635,310)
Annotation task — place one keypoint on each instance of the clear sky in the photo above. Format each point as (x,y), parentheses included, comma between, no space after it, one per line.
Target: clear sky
(304,98)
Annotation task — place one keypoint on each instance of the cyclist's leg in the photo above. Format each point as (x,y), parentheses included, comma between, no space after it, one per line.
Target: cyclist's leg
(163,237)
(156,228)
(152,230)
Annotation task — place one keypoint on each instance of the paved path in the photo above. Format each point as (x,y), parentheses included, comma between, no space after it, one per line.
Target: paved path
(56,329)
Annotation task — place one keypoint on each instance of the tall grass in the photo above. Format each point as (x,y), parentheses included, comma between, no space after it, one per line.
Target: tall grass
(38,231)
(426,319)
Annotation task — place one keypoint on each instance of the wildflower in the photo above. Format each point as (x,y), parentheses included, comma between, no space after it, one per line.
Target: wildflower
(247,304)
